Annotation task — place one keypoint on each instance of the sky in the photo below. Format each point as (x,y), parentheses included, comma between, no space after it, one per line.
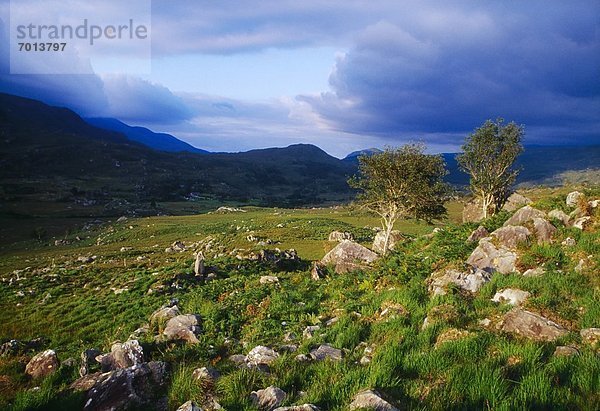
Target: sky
(341,74)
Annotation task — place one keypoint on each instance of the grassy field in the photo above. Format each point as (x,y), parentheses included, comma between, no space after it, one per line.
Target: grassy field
(46,292)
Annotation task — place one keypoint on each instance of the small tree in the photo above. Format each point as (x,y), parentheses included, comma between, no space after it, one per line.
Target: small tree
(487,156)
(401,183)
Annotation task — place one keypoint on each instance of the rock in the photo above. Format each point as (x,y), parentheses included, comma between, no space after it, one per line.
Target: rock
(238,359)
(88,360)
(390,309)
(543,230)
(310,331)
(121,356)
(288,348)
(289,337)
(161,316)
(178,246)
(565,351)
(318,271)
(573,198)
(511,236)
(511,296)
(569,242)
(378,243)
(269,279)
(469,281)
(594,203)
(225,210)
(534,272)
(42,364)
(261,355)
(452,334)
(559,215)
(325,351)
(303,407)
(268,398)
(183,327)
(199,268)
(340,236)
(490,258)
(208,374)
(371,400)
(524,215)
(515,201)
(478,234)
(128,388)
(349,256)
(12,347)
(85,259)
(531,325)
(582,222)
(189,406)
(472,212)
(590,336)
(302,358)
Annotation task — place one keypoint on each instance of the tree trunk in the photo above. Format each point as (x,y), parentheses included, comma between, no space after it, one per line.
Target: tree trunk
(389,226)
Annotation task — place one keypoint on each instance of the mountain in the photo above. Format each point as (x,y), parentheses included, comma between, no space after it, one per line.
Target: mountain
(157,141)
(355,154)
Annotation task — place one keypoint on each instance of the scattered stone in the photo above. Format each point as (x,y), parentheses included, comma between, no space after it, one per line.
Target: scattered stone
(452,334)
(472,212)
(289,348)
(310,331)
(379,241)
(289,337)
(261,355)
(268,398)
(371,400)
(531,325)
(302,358)
(183,327)
(565,351)
(42,364)
(121,356)
(349,256)
(569,242)
(478,234)
(318,271)
(331,321)
(189,406)
(594,203)
(199,268)
(543,230)
(535,272)
(471,281)
(559,215)
(164,314)
(225,210)
(178,246)
(573,198)
(591,336)
(207,374)
(238,359)
(524,215)
(85,259)
(490,258)
(125,249)
(511,296)
(303,407)
(511,236)
(12,347)
(325,351)
(582,223)
(516,201)
(392,310)
(340,236)
(269,279)
(88,360)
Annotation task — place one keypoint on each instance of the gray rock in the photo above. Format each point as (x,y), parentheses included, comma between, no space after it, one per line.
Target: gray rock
(349,256)
(88,360)
(340,236)
(42,364)
(199,268)
(516,201)
(478,234)
(565,351)
(569,242)
(238,359)
(511,236)
(490,258)
(590,336)
(395,238)
(511,296)
(123,355)
(573,198)
(164,314)
(524,215)
(531,325)
(534,272)
(183,327)
(582,222)
(303,407)
(559,215)
(318,271)
(208,374)
(268,398)
(543,230)
(325,351)
(469,281)
(310,331)
(261,355)
(371,400)
(189,406)
(269,279)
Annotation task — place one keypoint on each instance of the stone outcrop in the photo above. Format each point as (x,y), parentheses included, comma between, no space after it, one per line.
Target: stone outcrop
(471,281)
(303,407)
(326,351)
(371,400)
(524,215)
(268,399)
(516,201)
(340,236)
(490,258)
(349,256)
(183,327)
(531,325)
(511,236)
(261,355)
(478,234)
(122,355)
(511,296)
(543,230)
(560,215)
(573,198)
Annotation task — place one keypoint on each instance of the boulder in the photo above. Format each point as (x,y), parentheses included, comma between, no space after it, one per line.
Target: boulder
(42,364)
(183,327)
(582,222)
(395,238)
(559,215)
(371,400)
(531,325)
(590,336)
(127,388)
(543,230)
(490,258)
(478,234)
(511,296)
(326,351)
(472,212)
(123,355)
(261,355)
(573,198)
(207,374)
(310,331)
(349,256)
(524,215)
(269,279)
(189,406)
(511,236)
(318,271)
(268,398)
(565,351)
(88,360)
(340,236)
(199,268)
(515,201)
(303,407)
(471,281)
(164,314)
